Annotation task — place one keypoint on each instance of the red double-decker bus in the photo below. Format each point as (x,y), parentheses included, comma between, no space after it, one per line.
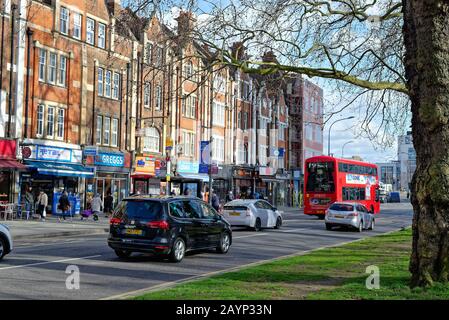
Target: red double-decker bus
(329,179)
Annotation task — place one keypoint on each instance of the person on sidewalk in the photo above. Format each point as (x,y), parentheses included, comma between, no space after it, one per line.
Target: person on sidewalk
(95,206)
(64,205)
(29,202)
(42,203)
(229,196)
(215,201)
(108,203)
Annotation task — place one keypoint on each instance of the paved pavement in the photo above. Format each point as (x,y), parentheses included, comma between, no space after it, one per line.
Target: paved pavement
(37,268)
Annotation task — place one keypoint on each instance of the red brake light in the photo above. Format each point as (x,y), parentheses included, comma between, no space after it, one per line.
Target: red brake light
(115,221)
(354,214)
(159,225)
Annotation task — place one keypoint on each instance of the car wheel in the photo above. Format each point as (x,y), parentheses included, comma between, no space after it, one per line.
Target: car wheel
(123,253)
(371,227)
(225,243)
(178,250)
(278,223)
(258,225)
(2,248)
(360,227)
(328,226)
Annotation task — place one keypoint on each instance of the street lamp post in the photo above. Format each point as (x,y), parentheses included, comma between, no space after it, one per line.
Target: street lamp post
(343,148)
(329,136)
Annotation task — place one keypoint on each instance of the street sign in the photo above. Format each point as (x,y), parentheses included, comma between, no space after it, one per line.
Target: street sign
(168,142)
(90,151)
(168,179)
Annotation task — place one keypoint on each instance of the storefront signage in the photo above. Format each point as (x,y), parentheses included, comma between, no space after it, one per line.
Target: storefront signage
(188,167)
(266,171)
(145,164)
(205,157)
(7,149)
(90,151)
(110,159)
(360,179)
(53,153)
(242,173)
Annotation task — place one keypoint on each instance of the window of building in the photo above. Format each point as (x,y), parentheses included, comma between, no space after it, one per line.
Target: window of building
(106,130)
(158,94)
(64,20)
(149,53)
(60,124)
(151,140)
(90,31)
(159,56)
(281,132)
(114,133)
(189,106)
(102,35)
(263,155)
(245,121)
(77,23)
(219,84)
(244,90)
(52,68)
(116,86)
(62,70)
(99,130)
(218,114)
(218,148)
(40,119)
(50,121)
(188,70)
(100,81)
(107,83)
(239,120)
(188,142)
(147,95)
(42,63)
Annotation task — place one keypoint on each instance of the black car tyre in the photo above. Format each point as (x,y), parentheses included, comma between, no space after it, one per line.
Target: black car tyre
(371,227)
(225,243)
(178,250)
(278,223)
(2,248)
(328,226)
(123,253)
(258,225)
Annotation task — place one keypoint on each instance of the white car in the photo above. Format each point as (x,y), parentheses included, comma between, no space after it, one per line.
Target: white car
(5,241)
(255,214)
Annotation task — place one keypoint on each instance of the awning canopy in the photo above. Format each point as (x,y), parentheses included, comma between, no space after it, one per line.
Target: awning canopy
(61,169)
(11,164)
(199,176)
(142,175)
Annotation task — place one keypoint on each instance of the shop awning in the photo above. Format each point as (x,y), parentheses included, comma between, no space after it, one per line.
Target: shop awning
(203,177)
(11,164)
(142,175)
(61,169)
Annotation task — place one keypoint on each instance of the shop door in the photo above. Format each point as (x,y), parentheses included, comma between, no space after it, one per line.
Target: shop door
(101,189)
(115,192)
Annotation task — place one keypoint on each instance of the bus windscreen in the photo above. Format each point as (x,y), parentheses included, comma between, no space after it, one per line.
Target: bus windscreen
(320,177)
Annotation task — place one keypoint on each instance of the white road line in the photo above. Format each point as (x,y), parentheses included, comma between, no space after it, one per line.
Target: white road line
(251,235)
(48,262)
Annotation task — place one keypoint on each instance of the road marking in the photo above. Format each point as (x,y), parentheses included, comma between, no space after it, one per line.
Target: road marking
(48,262)
(251,235)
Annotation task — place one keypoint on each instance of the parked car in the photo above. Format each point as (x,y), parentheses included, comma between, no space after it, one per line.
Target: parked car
(5,241)
(167,226)
(394,197)
(349,214)
(255,214)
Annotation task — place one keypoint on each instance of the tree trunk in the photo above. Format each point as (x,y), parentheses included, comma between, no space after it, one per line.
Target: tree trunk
(426,36)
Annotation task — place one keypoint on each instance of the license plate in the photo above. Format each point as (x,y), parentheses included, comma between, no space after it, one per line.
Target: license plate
(339,216)
(135,232)
(234,214)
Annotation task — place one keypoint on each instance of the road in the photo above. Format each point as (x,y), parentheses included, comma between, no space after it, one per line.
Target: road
(37,269)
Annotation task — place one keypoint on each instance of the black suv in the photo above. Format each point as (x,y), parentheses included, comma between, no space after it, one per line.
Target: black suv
(168,226)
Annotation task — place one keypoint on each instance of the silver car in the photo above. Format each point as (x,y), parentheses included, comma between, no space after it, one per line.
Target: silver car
(255,214)
(5,241)
(349,214)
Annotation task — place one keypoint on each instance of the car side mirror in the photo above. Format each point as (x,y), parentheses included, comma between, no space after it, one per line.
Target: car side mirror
(274,209)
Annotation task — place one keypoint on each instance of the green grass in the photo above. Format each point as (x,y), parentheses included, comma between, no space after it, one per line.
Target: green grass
(332,273)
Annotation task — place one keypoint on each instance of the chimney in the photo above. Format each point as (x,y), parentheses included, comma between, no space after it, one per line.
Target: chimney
(114,7)
(186,23)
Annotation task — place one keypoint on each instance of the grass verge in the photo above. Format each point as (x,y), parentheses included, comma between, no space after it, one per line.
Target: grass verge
(331,273)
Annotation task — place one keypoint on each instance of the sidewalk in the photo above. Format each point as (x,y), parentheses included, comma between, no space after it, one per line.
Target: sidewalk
(35,229)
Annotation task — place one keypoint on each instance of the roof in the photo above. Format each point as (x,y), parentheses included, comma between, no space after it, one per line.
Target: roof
(351,161)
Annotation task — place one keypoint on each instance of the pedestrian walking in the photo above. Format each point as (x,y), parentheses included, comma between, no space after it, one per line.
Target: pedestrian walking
(64,205)
(108,203)
(229,196)
(29,202)
(95,206)
(215,201)
(42,203)
(206,195)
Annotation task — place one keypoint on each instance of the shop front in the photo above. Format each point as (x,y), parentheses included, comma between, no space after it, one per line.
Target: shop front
(242,181)
(53,170)
(298,182)
(187,178)
(266,184)
(146,175)
(9,170)
(112,172)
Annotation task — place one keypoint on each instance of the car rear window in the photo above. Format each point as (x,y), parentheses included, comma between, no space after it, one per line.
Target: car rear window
(139,209)
(341,207)
(236,208)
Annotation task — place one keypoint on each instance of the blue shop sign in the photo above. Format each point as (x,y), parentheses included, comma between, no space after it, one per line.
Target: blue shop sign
(188,167)
(110,159)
